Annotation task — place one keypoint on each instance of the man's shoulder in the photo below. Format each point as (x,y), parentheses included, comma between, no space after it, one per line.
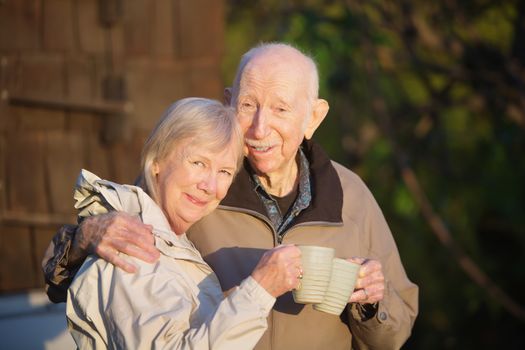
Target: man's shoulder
(348,177)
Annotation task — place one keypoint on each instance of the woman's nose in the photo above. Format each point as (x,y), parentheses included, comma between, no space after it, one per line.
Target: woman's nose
(208,183)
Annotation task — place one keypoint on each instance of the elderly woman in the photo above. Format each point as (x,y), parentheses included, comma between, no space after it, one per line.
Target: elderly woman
(188,164)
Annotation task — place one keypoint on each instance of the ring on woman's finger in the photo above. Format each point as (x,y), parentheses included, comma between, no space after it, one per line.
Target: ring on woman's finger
(300,270)
(300,277)
(366,294)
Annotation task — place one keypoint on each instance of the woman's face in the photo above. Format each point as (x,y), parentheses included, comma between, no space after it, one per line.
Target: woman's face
(192,180)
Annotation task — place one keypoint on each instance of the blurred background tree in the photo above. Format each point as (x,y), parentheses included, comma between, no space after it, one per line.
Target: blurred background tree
(435,90)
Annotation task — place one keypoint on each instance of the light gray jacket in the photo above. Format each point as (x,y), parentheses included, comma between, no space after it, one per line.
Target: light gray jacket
(175,303)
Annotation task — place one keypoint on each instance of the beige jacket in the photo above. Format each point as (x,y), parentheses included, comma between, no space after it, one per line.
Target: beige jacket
(175,303)
(344,215)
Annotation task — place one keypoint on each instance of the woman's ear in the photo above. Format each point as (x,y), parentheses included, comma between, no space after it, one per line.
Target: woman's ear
(319,112)
(155,168)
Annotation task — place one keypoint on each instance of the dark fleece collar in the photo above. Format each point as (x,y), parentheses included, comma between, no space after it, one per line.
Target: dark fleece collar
(327,193)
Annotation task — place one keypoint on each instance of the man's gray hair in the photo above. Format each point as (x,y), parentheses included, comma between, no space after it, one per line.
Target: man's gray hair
(208,123)
(313,81)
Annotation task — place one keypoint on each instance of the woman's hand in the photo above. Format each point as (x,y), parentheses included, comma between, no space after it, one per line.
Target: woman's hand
(279,270)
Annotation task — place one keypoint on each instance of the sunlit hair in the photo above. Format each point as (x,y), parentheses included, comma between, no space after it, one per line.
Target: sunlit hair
(311,67)
(208,123)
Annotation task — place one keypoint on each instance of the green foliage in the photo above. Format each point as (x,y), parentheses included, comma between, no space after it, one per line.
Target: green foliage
(442,84)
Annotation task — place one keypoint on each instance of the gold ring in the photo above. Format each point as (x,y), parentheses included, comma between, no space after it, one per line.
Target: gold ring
(366,294)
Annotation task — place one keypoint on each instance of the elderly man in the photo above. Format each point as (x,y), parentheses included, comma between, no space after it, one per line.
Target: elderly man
(288,191)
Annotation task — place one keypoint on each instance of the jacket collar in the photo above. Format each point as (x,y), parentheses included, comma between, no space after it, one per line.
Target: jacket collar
(97,196)
(327,193)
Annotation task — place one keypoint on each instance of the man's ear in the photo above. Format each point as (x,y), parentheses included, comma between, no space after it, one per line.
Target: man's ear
(228,96)
(319,112)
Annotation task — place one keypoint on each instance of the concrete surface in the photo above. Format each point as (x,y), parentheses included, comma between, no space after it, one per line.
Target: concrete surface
(30,321)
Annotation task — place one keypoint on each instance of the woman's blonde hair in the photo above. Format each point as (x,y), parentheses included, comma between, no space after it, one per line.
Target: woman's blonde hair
(207,122)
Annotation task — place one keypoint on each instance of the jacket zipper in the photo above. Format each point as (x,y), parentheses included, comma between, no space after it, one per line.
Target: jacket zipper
(276,238)
(308,223)
(259,216)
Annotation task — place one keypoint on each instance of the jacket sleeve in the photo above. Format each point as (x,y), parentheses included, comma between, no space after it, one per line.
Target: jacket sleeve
(391,323)
(153,309)
(58,270)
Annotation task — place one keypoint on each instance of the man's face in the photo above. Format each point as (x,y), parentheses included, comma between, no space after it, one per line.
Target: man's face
(272,108)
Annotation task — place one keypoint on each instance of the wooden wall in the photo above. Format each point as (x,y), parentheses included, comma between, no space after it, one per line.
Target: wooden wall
(81,84)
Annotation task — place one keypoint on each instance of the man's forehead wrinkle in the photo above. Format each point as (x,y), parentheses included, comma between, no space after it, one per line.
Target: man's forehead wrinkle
(256,79)
(259,82)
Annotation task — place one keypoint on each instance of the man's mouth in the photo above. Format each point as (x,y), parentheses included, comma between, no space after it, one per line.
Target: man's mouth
(259,148)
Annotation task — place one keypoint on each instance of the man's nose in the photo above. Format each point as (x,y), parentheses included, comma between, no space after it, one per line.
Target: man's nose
(260,123)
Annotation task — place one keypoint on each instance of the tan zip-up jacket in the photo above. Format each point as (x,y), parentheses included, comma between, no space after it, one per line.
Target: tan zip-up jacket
(175,303)
(344,215)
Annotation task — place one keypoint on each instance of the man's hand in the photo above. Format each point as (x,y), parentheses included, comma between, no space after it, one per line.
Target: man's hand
(279,269)
(370,284)
(109,234)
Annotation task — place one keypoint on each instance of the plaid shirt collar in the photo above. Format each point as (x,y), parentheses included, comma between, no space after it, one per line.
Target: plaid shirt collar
(281,222)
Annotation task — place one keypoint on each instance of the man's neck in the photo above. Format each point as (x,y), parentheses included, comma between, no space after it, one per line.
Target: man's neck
(281,183)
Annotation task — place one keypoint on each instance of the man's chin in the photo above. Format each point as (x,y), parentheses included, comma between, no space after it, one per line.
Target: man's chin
(260,167)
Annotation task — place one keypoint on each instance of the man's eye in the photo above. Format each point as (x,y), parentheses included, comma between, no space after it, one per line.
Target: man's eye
(279,109)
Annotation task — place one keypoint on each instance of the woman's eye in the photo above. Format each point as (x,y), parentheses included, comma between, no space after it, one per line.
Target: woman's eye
(226,172)
(198,163)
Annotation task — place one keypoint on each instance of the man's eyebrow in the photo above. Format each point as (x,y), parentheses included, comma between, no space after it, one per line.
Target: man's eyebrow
(283,99)
(245,96)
